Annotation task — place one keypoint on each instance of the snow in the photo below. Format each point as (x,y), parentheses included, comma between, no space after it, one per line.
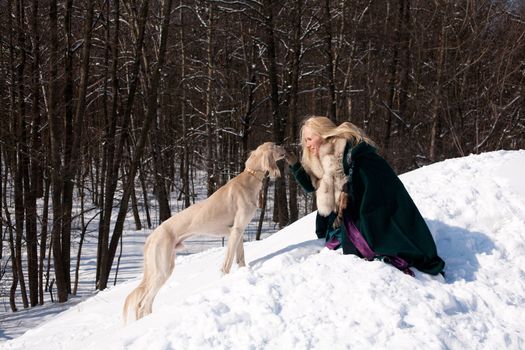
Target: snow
(296,294)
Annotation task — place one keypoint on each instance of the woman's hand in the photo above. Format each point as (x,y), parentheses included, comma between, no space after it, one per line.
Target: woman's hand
(341,206)
(290,158)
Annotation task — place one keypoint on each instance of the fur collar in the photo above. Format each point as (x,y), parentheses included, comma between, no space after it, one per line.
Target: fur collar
(332,148)
(327,174)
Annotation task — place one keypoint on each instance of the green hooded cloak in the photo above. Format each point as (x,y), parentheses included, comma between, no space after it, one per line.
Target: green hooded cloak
(381,209)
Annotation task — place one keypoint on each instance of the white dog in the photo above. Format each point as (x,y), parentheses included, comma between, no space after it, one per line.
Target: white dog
(227,212)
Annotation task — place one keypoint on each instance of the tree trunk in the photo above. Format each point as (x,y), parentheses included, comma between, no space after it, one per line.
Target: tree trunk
(135,209)
(278,129)
(185,156)
(82,236)
(405,64)
(56,159)
(21,174)
(74,133)
(35,182)
(9,224)
(160,175)
(145,196)
(392,81)
(436,99)
(263,201)
(292,115)
(246,120)
(210,132)
(43,242)
(14,283)
(112,154)
(37,171)
(158,147)
(330,64)
(69,167)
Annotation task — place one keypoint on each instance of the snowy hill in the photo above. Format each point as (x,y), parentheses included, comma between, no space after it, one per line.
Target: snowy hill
(296,294)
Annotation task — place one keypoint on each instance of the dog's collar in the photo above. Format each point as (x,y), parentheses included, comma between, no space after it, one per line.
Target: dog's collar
(256,173)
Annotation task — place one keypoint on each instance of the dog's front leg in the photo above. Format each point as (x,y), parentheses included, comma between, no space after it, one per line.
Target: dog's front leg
(240,252)
(233,242)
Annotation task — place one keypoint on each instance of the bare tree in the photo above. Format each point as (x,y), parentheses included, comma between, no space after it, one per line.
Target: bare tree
(152,112)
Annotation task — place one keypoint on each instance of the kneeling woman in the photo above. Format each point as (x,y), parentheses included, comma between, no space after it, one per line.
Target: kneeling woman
(362,205)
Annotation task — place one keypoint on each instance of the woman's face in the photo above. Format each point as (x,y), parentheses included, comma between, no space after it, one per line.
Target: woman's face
(312,141)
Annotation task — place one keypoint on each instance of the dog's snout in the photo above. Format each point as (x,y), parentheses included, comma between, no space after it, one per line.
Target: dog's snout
(280,152)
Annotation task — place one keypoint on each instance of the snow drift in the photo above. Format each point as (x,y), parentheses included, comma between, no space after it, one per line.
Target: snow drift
(296,294)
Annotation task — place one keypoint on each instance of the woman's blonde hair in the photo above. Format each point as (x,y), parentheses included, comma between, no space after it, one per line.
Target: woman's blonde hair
(326,128)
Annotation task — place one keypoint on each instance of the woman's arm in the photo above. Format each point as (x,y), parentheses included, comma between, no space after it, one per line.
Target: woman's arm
(302,177)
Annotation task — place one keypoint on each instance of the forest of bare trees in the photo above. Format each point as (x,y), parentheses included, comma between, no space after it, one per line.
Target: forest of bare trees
(105,102)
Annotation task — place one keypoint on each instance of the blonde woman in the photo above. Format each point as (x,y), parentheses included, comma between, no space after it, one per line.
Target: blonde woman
(362,205)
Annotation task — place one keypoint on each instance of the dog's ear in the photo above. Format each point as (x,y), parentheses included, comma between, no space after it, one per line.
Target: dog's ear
(271,164)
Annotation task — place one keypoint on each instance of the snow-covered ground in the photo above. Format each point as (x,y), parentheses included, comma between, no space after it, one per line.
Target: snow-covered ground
(296,294)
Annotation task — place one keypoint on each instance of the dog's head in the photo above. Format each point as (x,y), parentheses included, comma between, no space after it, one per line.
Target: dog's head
(265,158)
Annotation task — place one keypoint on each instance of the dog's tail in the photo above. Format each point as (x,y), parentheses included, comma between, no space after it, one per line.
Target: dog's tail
(133,301)
(159,261)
